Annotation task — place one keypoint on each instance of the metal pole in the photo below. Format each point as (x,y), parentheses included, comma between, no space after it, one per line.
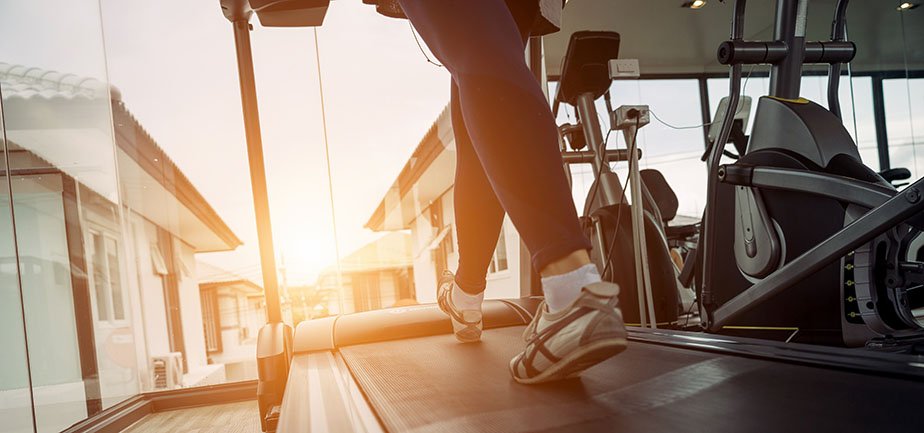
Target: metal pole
(610,190)
(257,169)
(642,276)
(786,76)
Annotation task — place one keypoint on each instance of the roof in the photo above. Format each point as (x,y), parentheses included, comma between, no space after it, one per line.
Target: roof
(138,144)
(145,160)
(23,82)
(211,276)
(437,139)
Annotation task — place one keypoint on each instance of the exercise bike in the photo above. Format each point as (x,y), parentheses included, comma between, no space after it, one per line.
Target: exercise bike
(651,293)
(799,235)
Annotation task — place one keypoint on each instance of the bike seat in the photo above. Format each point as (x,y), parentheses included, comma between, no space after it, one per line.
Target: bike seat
(586,65)
(661,192)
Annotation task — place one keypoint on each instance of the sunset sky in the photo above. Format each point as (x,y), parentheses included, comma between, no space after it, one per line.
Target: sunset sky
(174,62)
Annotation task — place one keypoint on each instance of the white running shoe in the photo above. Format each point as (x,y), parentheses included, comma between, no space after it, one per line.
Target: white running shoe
(564,344)
(466,324)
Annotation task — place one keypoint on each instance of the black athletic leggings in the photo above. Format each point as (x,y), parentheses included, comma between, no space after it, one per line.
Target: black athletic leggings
(507,155)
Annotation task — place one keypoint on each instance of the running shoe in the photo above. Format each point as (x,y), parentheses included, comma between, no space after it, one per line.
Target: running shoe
(466,324)
(565,343)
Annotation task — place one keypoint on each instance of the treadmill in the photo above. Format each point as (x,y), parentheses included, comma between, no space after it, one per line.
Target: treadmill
(401,369)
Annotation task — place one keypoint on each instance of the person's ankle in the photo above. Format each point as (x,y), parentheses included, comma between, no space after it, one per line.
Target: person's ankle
(463,300)
(562,290)
(566,264)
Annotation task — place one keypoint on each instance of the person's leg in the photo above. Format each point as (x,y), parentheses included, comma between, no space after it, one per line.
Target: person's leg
(478,213)
(508,118)
(514,136)
(478,220)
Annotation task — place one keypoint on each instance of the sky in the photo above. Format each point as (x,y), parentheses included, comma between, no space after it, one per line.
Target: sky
(174,63)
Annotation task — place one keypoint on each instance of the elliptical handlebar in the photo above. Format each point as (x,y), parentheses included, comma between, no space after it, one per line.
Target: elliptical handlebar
(771,52)
(715,158)
(838,34)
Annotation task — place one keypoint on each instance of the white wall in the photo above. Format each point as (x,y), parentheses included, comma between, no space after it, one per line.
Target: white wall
(500,285)
(134,228)
(506,284)
(424,266)
(190,307)
(152,292)
(387,291)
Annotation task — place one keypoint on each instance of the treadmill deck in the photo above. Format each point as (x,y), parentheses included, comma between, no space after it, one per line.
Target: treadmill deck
(434,383)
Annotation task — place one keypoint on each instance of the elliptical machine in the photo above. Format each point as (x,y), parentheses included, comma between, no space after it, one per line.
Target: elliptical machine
(798,233)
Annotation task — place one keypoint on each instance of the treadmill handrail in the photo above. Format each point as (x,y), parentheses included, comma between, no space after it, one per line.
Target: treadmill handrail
(858,192)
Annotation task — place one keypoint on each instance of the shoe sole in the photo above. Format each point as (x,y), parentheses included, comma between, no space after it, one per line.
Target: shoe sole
(469,335)
(579,360)
(465,333)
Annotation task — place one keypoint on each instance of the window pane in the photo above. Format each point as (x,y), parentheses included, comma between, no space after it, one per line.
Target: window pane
(115,279)
(672,143)
(58,107)
(905,122)
(855,94)
(100,279)
(501,251)
(16,406)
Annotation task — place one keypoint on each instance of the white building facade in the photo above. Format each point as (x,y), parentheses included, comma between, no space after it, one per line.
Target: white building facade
(421,200)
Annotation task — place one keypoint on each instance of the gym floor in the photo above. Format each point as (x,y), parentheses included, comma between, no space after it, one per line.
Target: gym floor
(240,417)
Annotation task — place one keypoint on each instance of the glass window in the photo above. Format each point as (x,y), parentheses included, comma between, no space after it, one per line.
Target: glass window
(115,278)
(855,94)
(672,143)
(499,261)
(107,277)
(58,110)
(904,114)
(100,277)
(16,411)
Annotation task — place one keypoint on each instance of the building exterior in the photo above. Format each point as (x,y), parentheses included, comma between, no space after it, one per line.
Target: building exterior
(420,200)
(233,310)
(378,275)
(101,257)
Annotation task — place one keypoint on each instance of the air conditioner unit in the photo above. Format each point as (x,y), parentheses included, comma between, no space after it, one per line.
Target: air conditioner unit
(167,371)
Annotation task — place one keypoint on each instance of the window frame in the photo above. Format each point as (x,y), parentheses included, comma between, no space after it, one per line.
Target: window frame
(111,321)
(494,270)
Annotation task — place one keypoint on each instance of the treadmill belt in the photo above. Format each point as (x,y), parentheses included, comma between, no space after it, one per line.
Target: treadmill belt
(437,384)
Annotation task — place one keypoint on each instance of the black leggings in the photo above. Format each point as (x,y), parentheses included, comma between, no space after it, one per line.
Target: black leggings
(507,155)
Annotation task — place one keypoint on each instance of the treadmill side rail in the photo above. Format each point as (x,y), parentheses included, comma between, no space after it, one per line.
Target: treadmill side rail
(315,335)
(320,383)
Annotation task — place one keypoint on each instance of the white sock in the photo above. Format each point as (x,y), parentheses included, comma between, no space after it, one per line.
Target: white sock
(465,301)
(561,290)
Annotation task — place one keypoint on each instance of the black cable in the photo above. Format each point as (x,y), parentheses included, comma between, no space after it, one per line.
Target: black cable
(420,46)
(686,321)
